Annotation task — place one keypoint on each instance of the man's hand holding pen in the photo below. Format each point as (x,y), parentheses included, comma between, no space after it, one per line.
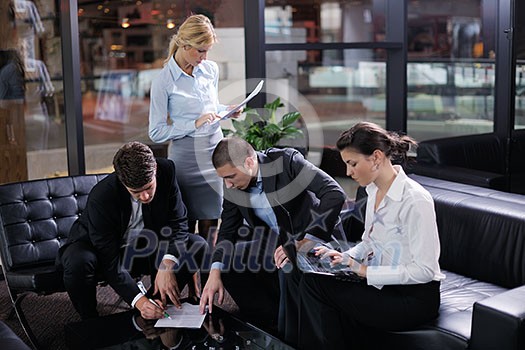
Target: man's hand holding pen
(149,308)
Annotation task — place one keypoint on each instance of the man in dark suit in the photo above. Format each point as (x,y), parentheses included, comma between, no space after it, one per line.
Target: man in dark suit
(134,220)
(274,202)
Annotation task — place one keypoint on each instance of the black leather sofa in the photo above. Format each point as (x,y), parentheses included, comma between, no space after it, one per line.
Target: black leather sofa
(479,160)
(35,218)
(482,235)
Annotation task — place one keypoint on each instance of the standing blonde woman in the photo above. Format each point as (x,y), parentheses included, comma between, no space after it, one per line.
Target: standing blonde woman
(183,110)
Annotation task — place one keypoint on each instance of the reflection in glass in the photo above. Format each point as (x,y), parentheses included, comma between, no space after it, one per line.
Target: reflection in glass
(451,70)
(519,46)
(119,64)
(519,113)
(341,88)
(324,21)
(31,79)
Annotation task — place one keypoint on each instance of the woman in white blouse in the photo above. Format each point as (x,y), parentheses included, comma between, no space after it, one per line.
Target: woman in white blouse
(398,254)
(184,110)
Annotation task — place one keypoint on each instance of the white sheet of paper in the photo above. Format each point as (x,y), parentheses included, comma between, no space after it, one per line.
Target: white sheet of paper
(187,317)
(227,114)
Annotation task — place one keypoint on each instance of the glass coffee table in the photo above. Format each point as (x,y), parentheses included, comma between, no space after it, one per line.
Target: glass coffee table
(127,330)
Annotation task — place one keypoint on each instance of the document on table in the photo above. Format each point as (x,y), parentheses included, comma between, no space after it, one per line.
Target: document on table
(246,100)
(187,317)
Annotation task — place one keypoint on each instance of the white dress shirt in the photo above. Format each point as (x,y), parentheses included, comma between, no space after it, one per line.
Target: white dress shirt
(400,243)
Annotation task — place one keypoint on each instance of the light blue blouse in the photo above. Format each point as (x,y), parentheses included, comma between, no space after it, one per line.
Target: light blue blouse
(184,98)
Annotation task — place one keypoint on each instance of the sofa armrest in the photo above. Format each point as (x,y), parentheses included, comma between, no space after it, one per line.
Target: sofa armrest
(462,175)
(499,322)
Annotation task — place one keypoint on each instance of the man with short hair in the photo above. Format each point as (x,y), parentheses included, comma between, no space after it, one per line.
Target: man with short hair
(274,201)
(134,216)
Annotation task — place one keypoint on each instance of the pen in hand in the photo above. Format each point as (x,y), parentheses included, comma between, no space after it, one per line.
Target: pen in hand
(143,291)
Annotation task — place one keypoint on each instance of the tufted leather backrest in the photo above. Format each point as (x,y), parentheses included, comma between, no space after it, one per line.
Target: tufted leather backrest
(35,218)
(482,231)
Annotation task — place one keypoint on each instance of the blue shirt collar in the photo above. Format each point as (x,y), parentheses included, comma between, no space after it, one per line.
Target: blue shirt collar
(177,71)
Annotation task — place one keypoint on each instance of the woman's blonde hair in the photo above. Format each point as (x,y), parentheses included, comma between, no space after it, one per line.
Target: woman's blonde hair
(196,31)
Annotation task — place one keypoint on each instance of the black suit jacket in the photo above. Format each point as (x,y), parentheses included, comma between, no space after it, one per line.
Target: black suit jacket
(106,217)
(304,198)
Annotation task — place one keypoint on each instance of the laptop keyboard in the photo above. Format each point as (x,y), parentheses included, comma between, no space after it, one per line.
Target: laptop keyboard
(318,264)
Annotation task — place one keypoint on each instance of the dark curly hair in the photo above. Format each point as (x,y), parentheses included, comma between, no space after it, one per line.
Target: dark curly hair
(135,164)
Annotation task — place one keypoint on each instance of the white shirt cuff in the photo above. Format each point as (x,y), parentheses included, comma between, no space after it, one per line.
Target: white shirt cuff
(136,299)
(217,266)
(172,258)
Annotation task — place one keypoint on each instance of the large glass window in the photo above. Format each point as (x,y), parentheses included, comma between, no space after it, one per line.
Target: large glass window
(123,45)
(32,141)
(450,71)
(324,21)
(519,45)
(339,88)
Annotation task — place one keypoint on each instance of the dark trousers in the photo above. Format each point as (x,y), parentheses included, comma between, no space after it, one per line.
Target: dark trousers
(82,272)
(268,299)
(256,294)
(289,306)
(332,312)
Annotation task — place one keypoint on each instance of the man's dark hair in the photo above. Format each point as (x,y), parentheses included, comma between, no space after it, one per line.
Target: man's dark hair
(134,164)
(231,150)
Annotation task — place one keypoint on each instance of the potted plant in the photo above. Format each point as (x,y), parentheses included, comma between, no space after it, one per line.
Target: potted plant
(263,131)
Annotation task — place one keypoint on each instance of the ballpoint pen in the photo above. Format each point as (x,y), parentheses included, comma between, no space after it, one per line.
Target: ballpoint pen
(143,291)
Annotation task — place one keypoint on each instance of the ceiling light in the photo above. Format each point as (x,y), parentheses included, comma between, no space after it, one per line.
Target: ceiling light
(125,23)
(170,24)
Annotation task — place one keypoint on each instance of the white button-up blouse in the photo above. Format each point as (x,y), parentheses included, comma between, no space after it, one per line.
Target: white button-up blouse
(400,243)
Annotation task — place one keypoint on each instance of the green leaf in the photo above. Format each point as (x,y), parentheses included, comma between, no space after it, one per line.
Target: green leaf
(251,111)
(262,131)
(292,132)
(290,118)
(272,106)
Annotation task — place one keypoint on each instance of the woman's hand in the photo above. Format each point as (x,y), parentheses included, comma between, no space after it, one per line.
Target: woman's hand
(207,118)
(324,252)
(236,114)
(346,260)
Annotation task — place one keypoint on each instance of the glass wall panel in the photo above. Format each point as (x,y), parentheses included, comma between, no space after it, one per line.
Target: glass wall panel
(519,45)
(335,88)
(519,119)
(325,21)
(32,138)
(123,45)
(450,71)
